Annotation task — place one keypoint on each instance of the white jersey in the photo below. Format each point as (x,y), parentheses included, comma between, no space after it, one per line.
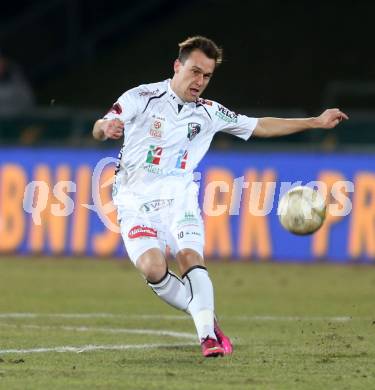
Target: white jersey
(165,139)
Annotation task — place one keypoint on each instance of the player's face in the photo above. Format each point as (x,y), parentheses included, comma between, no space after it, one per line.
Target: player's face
(192,77)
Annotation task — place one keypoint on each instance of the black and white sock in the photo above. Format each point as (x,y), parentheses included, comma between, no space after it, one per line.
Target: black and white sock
(171,289)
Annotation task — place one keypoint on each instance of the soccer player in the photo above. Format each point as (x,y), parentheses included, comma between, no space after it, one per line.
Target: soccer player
(167,129)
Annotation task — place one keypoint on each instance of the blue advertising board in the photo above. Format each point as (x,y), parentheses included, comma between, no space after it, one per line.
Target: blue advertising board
(67,218)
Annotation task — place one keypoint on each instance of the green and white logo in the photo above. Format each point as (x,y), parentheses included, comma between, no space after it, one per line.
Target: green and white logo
(226,115)
(188,219)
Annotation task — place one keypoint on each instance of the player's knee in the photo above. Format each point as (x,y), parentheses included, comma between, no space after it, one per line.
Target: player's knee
(188,258)
(152,265)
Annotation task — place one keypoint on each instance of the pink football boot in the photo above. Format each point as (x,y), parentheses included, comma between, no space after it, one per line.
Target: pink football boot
(211,348)
(223,340)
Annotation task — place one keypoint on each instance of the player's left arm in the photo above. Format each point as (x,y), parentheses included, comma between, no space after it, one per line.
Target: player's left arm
(277,127)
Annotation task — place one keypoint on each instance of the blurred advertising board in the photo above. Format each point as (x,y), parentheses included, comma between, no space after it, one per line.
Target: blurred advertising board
(48,205)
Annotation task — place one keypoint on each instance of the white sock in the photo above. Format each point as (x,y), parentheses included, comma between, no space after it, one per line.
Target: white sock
(201,302)
(171,289)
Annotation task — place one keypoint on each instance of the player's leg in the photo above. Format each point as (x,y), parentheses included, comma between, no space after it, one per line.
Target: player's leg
(167,285)
(144,241)
(200,290)
(187,241)
(186,238)
(201,301)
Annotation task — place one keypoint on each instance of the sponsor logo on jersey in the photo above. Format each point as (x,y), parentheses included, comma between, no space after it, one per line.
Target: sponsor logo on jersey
(149,93)
(181,159)
(226,115)
(157,126)
(116,109)
(160,171)
(156,130)
(141,232)
(156,133)
(193,130)
(156,205)
(154,154)
(150,168)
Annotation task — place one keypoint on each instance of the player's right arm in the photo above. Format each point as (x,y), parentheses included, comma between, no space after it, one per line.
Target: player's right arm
(108,128)
(111,126)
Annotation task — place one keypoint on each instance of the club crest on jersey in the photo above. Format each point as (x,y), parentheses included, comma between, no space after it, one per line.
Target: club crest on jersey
(142,232)
(193,130)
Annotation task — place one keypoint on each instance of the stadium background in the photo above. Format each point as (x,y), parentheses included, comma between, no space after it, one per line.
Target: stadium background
(281,59)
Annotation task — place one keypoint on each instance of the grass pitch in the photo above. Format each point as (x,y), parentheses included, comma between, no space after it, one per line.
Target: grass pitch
(71,324)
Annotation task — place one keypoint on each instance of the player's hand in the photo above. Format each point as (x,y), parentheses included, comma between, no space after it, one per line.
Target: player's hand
(113,129)
(330,118)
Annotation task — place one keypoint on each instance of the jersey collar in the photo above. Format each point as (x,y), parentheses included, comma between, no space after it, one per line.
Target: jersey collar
(172,97)
(175,100)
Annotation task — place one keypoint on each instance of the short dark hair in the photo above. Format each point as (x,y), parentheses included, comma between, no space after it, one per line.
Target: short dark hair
(207,46)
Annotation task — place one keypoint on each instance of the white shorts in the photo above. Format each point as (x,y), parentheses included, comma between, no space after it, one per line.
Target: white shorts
(156,223)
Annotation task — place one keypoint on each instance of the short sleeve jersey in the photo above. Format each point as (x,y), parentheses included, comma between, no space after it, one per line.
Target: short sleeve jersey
(165,138)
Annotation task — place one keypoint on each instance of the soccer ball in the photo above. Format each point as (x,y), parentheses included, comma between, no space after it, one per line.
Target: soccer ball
(302,210)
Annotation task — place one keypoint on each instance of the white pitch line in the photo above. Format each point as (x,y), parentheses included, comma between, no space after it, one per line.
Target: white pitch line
(179,317)
(295,318)
(152,332)
(88,348)
(95,315)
